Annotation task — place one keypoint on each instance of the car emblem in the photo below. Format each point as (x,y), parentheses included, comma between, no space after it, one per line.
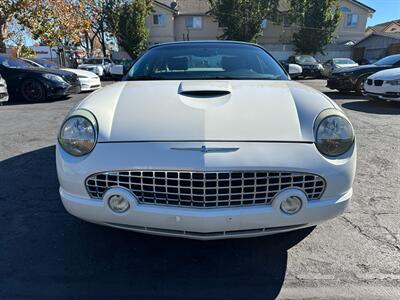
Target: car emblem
(205,149)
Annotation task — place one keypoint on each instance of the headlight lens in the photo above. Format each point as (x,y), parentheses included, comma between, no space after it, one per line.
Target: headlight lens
(394,82)
(54,78)
(78,134)
(334,135)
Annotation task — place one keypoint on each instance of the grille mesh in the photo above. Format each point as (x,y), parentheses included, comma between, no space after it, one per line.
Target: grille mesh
(205,189)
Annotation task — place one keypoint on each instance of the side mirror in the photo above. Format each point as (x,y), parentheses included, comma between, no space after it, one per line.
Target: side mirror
(295,69)
(117,70)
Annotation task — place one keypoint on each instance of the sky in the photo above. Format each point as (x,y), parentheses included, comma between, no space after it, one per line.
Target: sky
(386,10)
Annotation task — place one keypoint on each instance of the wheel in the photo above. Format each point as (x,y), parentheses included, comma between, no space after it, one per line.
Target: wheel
(360,85)
(33,91)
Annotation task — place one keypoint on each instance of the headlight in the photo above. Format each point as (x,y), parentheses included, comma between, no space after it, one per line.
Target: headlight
(78,134)
(82,76)
(54,78)
(334,134)
(394,82)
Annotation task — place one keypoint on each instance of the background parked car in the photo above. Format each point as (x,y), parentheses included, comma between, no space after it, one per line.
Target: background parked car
(99,65)
(383,85)
(367,61)
(89,80)
(336,64)
(311,67)
(3,91)
(36,84)
(120,67)
(352,79)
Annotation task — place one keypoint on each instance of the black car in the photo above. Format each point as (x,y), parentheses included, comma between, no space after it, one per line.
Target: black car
(36,84)
(352,79)
(311,66)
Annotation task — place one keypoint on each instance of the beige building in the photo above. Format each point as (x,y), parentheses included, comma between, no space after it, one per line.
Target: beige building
(190,20)
(387,27)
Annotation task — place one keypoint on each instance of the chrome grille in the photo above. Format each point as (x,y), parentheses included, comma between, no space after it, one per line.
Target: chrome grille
(205,189)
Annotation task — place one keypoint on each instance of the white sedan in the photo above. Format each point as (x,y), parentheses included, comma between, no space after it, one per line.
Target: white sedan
(206,140)
(89,81)
(383,85)
(3,91)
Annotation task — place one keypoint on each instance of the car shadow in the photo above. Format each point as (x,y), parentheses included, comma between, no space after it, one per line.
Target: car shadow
(344,95)
(374,107)
(45,252)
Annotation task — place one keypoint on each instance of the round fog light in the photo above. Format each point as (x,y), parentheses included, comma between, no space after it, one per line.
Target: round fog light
(291,205)
(118,204)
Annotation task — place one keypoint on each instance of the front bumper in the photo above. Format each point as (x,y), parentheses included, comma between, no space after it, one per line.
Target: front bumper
(90,84)
(59,91)
(307,72)
(384,92)
(340,83)
(207,223)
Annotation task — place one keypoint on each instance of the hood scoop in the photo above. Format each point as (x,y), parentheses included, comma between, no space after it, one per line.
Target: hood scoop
(193,93)
(205,93)
(207,89)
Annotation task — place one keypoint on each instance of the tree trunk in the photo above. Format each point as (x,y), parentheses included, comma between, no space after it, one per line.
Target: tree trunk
(3,34)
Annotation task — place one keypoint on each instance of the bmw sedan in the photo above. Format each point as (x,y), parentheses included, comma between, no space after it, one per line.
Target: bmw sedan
(206,140)
(36,84)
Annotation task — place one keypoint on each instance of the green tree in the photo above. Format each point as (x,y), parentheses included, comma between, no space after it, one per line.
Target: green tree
(55,22)
(9,9)
(126,22)
(317,21)
(242,19)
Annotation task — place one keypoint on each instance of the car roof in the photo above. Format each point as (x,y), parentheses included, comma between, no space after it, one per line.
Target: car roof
(205,42)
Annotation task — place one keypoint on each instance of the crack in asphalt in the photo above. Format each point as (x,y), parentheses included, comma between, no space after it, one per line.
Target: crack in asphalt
(375,239)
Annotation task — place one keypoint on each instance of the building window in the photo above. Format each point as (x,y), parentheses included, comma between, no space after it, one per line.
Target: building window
(264,23)
(193,22)
(351,19)
(158,20)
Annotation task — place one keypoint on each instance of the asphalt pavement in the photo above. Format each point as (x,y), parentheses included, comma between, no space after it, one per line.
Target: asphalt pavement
(46,253)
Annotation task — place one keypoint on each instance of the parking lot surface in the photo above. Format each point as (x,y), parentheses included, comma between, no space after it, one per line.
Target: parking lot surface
(46,253)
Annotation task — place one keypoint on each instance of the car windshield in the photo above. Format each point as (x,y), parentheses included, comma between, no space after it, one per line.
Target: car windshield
(344,61)
(202,61)
(93,61)
(305,59)
(46,63)
(388,60)
(15,63)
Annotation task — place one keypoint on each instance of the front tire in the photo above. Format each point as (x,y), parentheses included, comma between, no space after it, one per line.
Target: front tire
(33,91)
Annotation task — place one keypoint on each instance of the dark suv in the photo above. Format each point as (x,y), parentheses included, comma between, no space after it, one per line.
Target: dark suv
(311,66)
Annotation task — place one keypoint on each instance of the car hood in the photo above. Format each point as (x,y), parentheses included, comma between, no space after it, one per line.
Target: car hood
(81,72)
(391,74)
(40,70)
(184,111)
(89,66)
(347,66)
(357,68)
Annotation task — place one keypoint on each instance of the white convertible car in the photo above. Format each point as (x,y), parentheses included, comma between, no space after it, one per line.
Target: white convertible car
(383,85)
(206,140)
